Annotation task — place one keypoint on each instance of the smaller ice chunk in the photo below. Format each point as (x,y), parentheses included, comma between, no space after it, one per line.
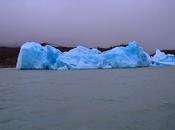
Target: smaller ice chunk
(162,59)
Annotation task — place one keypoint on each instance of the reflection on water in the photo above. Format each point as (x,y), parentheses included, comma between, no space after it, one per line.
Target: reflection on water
(121,99)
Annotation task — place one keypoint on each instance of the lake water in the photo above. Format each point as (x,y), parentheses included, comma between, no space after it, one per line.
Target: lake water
(113,99)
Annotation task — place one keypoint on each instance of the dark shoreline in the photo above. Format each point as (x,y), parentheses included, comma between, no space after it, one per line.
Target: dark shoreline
(9,55)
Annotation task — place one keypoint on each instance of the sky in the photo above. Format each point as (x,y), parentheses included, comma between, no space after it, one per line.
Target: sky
(89,23)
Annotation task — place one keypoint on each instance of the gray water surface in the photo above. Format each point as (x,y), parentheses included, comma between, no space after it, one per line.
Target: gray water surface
(113,99)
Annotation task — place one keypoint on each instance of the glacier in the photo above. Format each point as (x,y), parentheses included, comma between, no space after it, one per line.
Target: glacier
(34,56)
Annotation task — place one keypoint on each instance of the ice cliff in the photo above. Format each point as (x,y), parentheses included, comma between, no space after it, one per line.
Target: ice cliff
(34,56)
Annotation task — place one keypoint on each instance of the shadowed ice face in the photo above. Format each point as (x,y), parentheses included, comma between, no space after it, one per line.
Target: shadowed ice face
(89,22)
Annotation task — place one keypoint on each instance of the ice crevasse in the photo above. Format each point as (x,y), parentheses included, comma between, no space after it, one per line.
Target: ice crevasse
(34,56)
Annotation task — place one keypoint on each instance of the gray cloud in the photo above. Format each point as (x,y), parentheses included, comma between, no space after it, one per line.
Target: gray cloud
(89,22)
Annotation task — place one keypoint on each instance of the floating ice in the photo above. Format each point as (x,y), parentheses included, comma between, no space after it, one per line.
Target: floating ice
(162,59)
(34,56)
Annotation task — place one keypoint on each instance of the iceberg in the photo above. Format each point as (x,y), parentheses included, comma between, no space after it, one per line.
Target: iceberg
(162,59)
(34,56)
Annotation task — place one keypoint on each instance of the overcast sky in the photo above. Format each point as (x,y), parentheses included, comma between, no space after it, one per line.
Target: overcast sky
(89,22)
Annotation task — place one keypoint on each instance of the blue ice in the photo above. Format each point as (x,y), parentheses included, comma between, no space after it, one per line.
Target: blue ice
(34,56)
(162,59)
